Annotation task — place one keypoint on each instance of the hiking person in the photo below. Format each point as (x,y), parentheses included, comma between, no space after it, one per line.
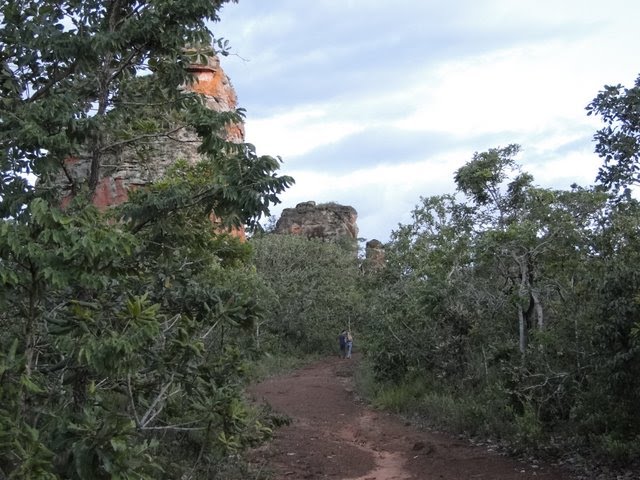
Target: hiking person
(342,339)
(349,340)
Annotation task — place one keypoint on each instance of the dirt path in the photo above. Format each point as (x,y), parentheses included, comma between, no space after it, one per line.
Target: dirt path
(334,435)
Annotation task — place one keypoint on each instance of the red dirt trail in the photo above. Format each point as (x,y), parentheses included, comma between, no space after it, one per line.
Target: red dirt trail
(334,435)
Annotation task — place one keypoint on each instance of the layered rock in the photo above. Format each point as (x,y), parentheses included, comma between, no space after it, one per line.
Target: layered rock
(331,222)
(124,169)
(327,221)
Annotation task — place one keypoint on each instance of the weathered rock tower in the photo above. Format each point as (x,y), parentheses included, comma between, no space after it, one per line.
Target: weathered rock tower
(327,221)
(124,170)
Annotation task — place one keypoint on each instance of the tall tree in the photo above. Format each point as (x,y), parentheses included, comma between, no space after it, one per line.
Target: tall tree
(122,330)
(618,143)
(508,216)
(616,344)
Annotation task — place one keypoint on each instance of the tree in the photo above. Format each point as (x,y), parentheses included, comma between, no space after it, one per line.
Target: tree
(615,344)
(120,350)
(416,321)
(74,82)
(618,143)
(611,389)
(515,229)
(122,353)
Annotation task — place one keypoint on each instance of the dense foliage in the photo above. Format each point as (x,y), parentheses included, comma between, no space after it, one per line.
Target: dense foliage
(315,291)
(514,311)
(124,332)
(114,351)
(618,143)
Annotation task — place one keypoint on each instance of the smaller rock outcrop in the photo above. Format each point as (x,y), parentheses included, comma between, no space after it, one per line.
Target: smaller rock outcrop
(326,221)
(374,255)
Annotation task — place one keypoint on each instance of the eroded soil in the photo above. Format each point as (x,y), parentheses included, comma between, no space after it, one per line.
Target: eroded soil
(335,435)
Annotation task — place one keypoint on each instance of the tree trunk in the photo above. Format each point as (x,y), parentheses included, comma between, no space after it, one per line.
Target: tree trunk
(523,292)
(522,324)
(538,309)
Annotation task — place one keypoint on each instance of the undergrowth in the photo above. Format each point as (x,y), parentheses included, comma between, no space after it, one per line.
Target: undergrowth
(488,415)
(476,414)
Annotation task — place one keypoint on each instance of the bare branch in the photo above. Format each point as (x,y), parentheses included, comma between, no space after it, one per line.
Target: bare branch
(133,406)
(55,78)
(210,330)
(124,64)
(150,414)
(394,334)
(171,323)
(173,427)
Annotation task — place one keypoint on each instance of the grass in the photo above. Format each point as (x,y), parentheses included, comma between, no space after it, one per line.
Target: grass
(433,405)
(269,365)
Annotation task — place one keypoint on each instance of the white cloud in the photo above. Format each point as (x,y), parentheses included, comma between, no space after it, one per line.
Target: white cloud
(521,89)
(560,171)
(487,73)
(383,196)
(297,132)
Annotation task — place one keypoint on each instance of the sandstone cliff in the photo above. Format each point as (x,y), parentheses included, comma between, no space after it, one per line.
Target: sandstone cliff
(331,222)
(124,168)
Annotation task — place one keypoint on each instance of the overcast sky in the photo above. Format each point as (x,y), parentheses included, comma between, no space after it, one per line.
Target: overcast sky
(375,103)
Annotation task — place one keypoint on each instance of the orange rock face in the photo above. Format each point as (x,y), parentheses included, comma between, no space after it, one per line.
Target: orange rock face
(212,81)
(237,232)
(214,84)
(125,171)
(110,191)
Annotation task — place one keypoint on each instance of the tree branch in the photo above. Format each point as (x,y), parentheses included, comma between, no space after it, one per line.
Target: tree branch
(175,428)
(140,137)
(150,414)
(133,406)
(52,82)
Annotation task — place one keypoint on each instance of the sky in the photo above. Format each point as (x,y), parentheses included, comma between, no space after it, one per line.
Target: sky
(376,103)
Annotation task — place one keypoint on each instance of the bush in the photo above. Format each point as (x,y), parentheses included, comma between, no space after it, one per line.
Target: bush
(615,449)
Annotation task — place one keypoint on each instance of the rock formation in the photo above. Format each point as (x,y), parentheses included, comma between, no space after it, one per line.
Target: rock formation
(124,169)
(374,255)
(326,221)
(331,222)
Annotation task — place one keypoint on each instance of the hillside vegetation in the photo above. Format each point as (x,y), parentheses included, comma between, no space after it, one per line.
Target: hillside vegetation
(505,309)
